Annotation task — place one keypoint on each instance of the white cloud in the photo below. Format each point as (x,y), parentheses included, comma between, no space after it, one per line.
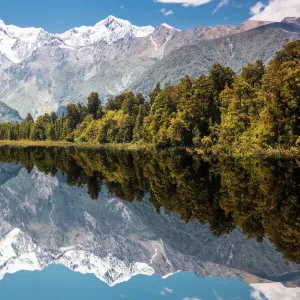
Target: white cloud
(256,295)
(217,295)
(257,8)
(221,4)
(187,298)
(275,10)
(166,290)
(274,291)
(185,2)
(166,12)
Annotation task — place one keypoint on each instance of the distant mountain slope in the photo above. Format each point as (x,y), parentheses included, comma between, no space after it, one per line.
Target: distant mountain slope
(235,51)
(292,20)
(7,114)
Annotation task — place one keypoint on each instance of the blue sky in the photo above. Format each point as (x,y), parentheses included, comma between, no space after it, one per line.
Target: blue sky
(61,15)
(58,282)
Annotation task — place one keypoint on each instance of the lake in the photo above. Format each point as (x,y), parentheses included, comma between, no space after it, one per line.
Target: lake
(117,224)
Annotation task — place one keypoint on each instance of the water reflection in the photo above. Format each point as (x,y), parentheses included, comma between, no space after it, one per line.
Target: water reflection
(155,213)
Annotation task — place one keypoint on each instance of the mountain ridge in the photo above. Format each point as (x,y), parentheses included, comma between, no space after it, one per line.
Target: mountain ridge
(52,70)
(111,23)
(234,50)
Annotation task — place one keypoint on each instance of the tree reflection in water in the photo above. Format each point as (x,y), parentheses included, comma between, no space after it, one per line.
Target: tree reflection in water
(260,196)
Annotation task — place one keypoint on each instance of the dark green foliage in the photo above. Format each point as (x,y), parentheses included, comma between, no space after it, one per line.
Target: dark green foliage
(73,116)
(263,106)
(28,118)
(94,105)
(253,73)
(220,77)
(154,93)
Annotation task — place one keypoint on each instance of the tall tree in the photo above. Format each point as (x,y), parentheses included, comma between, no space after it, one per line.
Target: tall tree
(94,105)
(220,77)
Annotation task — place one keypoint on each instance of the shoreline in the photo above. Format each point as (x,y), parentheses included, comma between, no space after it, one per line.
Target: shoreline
(279,152)
(65,144)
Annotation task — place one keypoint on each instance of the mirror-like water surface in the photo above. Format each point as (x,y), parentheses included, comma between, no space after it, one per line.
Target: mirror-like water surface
(141,225)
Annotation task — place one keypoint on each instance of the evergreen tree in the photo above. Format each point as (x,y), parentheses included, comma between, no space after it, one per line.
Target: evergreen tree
(154,93)
(29,118)
(137,131)
(94,105)
(73,116)
(220,77)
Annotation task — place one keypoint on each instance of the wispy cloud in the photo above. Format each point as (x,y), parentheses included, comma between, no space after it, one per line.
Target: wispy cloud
(185,2)
(220,4)
(256,295)
(166,290)
(217,295)
(257,8)
(187,298)
(166,12)
(275,10)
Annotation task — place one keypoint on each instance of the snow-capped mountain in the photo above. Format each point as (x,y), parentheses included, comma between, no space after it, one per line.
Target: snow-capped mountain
(44,221)
(20,253)
(43,72)
(17,44)
(109,30)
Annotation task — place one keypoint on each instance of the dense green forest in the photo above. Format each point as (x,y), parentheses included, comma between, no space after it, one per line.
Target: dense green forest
(260,107)
(259,196)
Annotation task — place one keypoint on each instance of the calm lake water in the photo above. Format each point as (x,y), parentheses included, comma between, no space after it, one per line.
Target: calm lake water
(111,224)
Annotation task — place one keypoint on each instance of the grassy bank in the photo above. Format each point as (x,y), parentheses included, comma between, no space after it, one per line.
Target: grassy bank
(26,143)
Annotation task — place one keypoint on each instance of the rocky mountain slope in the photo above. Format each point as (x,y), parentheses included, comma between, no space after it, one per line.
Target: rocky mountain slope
(7,114)
(234,50)
(43,72)
(44,221)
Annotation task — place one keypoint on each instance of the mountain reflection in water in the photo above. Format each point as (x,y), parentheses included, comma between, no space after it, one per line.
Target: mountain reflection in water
(159,212)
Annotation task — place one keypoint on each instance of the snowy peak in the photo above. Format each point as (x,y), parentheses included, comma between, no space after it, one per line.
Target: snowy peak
(108,30)
(18,252)
(18,43)
(2,24)
(112,23)
(165,28)
(169,27)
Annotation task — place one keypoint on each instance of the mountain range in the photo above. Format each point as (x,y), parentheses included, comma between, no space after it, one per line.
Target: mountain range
(43,72)
(45,221)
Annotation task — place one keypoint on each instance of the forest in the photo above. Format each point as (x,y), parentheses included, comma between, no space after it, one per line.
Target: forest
(258,108)
(259,196)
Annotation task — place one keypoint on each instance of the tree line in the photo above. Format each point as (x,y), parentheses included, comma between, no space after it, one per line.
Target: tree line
(260,107)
